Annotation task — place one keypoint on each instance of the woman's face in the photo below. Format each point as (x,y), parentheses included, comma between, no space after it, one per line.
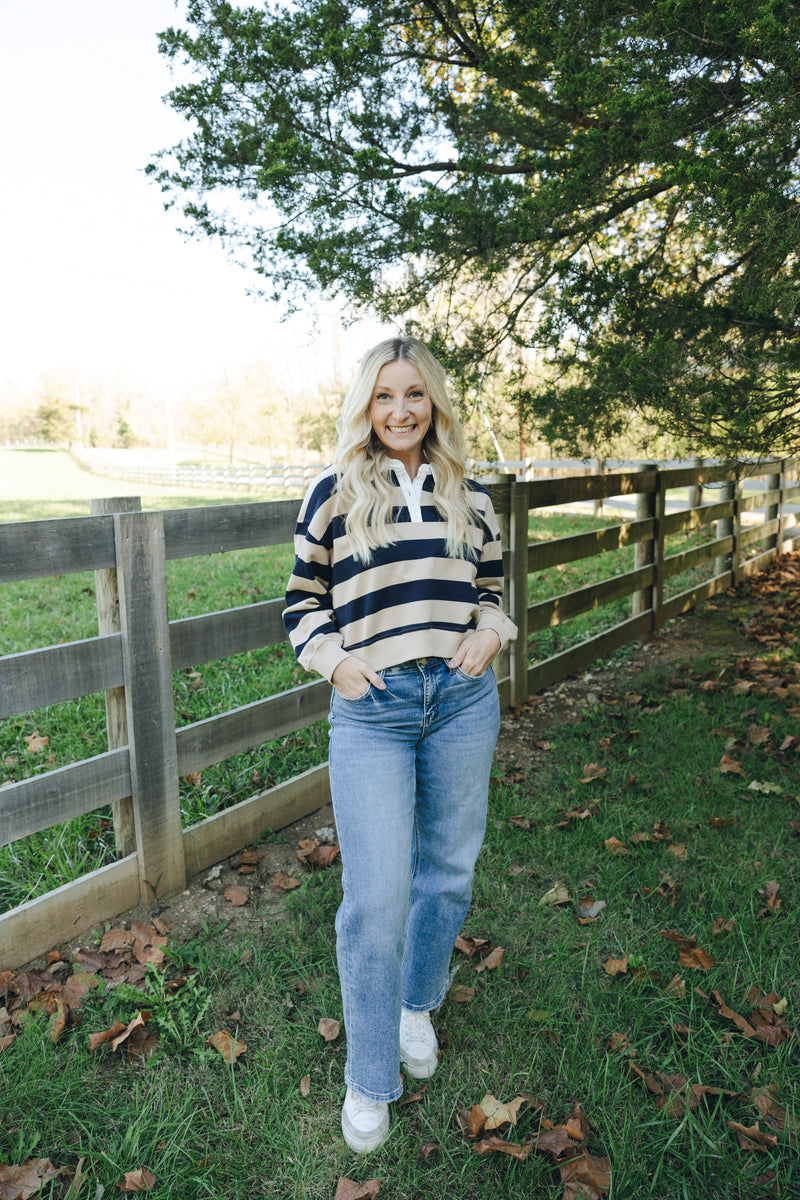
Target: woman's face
(401,411)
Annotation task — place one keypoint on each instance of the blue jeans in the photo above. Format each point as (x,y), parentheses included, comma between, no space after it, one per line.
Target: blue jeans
(409,770)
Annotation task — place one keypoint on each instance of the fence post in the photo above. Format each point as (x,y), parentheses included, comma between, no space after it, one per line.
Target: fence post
(775,483)
(107,598)
(141,566)
(696,490)
(660,540)
(644,552)
(724,528)
(518,600)
(782,506)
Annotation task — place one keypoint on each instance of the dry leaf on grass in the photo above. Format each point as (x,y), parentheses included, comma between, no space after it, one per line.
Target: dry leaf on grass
(752,1138)
(616,966)
(462,995)
(137,1181)
(236,895)
(559,893)
(228,1046)
(328,1028)
(284,883)
(19,1181)
(305,1086)
(616,846)
(348,1189)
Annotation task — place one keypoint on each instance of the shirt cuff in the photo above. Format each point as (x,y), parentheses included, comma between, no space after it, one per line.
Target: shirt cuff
(494,618)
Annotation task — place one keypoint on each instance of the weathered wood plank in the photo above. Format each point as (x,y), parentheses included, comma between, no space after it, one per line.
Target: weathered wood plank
(215,635)
(757,533)
(226,832)
(754,500)
(689,599)
(577,657)
(58,546)
(696,557)
(108,621)
(691,519)
(754,565)
(223,527)
(216,738)
(31,929)
(595,595)
(542,555)
(681,477)
(547,493)
(141,571)
(44,800)
(35,678)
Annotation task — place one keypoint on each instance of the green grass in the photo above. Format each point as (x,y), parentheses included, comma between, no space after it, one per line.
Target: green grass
(540,1023)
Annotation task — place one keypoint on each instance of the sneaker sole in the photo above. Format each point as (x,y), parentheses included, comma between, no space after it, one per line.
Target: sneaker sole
(420,1068)
(363,1143)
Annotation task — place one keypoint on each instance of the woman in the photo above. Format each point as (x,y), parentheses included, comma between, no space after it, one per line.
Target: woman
(395,598)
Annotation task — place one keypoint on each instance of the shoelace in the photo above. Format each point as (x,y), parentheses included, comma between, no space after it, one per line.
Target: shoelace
(416,1026)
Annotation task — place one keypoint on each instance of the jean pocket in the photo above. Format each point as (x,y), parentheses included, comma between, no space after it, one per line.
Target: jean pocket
(354,699)
(471,678)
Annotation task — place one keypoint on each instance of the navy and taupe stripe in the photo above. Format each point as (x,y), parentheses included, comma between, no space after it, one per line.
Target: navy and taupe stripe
(412,600)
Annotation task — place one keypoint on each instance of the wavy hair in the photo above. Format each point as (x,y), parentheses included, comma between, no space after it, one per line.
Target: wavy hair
(362,462)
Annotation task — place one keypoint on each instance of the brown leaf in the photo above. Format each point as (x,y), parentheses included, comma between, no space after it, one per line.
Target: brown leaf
(137,1181)
(696,959)
(195,778)
(284,883)
(323,856)
(770,894)
(751,1137)
(497,1114)
(616,966)
(616,846)
(758,734)
(236,895)
(730,765)
(676,987)
(429,1148)
(106,1035)
(18,1182)
(348,1189)
(461,994)
(585,1177)
(492,1144)
(470,945)
(229,1047)
(677,849)
(593,771)
(305,1086)
(328,1028)
(138,1021)
(491,961)
(520,822)
(36,744)
(115,939)
(722,926)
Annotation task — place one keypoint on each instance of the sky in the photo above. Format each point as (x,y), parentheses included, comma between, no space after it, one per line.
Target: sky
(94,274)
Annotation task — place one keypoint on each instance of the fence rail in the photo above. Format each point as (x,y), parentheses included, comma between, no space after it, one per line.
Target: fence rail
(138,648)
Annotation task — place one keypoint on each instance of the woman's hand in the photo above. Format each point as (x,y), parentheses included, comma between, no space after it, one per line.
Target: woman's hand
(475,654)
(352,676)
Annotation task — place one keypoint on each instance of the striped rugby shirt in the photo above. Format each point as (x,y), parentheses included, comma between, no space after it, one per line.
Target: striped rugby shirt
(411,601)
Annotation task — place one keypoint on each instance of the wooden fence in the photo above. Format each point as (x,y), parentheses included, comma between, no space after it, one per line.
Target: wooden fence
(138,648)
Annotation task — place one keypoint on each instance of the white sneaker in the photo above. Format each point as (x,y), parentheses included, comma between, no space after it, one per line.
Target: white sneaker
(365,1123)
(419,1047)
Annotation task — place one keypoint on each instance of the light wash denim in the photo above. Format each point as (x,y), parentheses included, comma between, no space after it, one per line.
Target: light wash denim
(409,770)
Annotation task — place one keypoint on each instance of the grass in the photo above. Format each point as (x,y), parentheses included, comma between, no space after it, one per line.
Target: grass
(540,1023)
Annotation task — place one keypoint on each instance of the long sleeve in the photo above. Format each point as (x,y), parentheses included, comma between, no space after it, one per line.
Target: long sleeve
(309,617)
(489,580)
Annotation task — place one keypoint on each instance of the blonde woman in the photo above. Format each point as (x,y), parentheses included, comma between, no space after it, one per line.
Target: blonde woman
(395,598)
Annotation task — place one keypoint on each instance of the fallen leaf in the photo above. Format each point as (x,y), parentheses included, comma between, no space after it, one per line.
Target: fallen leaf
(559,893)
(768,788)
(676,987)
(305,1086)
(328,1028)
(589,909)
(677,849)
(429,1148)
(285,883)
(470,945)
(137,1181)
(236,895)
(616,846)
(348,1189)
(722,926)
(758,734)
(498,1114)
(228,1046)
(616,966)
(36,744)
(138,1021)
(770,894)
(593,771)
(19,1181)
(520,822)
(730,766)
(195,778)
(585,1177)
(461,994)
(491,961)
(494,1144)
(752,1138)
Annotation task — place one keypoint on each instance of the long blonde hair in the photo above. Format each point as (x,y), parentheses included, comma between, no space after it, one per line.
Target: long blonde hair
(362,462)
